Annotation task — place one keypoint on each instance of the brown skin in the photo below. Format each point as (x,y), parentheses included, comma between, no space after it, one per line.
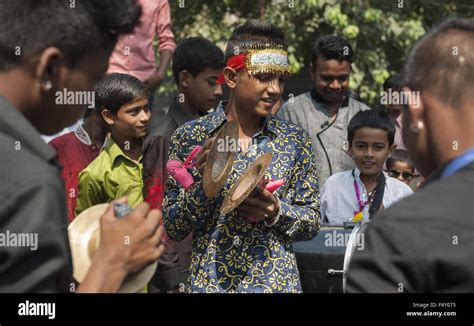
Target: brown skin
(370,149)
(24,87)
(331,81)
(154,82)
(401,167)
(129,126)
(247,108)
(200,93)
(442,127)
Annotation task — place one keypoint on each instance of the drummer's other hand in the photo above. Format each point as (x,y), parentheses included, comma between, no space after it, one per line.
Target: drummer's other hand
(262,206)
(133,242)
(202,156)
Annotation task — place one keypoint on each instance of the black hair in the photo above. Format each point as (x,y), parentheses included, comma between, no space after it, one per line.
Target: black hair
(394,82)
(400,155)
(76,28)
(442,61)
(375,118)
(254,32)
(194,54)
(332,47)
(115,90)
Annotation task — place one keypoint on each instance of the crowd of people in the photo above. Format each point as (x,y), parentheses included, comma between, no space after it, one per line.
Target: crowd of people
(338,159)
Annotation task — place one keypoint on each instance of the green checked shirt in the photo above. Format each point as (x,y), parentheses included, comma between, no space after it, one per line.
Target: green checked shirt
(110,176)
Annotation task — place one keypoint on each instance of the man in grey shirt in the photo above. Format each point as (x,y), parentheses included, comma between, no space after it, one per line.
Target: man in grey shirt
(326,110)
(70,51)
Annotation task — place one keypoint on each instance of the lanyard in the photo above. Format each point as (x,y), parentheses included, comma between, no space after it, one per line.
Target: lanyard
(458,163)
(357,191)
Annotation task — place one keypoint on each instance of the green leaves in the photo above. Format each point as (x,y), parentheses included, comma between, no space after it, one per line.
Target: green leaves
(380,31)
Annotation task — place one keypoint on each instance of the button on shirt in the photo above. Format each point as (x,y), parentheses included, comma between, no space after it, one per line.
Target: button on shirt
(231,254)
(133,53)
(339,200)
(110,176)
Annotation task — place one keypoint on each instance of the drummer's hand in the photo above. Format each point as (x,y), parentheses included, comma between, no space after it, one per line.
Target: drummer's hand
(134,241)
(127,245)
(261,204)
(202,156)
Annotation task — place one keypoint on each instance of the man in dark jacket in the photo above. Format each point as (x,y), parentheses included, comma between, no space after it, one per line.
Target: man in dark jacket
(425,243)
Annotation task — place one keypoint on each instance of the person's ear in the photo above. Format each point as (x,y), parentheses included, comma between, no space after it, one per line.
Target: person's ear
(415,111)
(48,69)
(349,150)
(108,117)
(183,78)
(391,149)
(230,76)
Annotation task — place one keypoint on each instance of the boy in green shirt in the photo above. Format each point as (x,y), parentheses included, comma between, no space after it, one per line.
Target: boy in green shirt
(122,101)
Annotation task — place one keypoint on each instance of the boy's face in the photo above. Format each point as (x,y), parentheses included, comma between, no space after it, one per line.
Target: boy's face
(331,78)
(202,91)
(370,149)
(258,94)
(402,171)
(131,120)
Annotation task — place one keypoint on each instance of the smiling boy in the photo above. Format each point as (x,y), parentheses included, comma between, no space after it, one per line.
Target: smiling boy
(231,253)
(358,194)
(122,101)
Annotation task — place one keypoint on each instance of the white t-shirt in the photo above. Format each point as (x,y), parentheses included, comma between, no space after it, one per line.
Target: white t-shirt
(339,200)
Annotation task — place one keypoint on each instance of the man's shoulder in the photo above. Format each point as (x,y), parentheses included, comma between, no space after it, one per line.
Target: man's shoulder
(164,130)
(397,186)
(22,167)
(338,178)
(96,169)
(288,127)
(356,106)
(296,102)
(442,202)
(63,140)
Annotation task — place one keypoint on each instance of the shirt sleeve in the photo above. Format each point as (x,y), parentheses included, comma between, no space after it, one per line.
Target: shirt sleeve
(163,28)
(90,192)
(300,211)
(182,208)
(36,209)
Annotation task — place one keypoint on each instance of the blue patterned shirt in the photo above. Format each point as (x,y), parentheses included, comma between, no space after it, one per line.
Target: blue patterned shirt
(231,254)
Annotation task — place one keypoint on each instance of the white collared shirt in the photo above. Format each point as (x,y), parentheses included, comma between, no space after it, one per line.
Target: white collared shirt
(339,200)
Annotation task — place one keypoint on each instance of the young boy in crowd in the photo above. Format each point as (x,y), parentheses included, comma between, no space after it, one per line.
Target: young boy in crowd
(358,194)
(122,102)
(399,166)
(76,150)
(231,253)
(197,63)
(393,84)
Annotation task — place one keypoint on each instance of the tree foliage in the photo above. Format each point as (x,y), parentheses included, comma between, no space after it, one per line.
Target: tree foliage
(381,32)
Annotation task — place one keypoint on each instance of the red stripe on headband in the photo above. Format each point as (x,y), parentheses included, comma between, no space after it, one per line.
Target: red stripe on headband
(236,62)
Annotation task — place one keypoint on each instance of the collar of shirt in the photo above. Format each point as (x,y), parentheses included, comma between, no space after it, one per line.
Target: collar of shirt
(84,137)
(218,117)
(359,181)
(115,152)
(14,124)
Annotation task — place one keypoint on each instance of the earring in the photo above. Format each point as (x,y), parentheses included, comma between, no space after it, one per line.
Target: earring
(47,85)
(416,129)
